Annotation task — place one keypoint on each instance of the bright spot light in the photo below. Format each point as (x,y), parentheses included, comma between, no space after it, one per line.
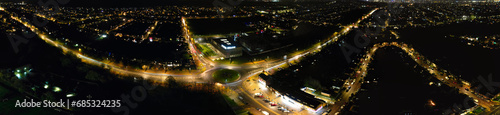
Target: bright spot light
(18,75)
(57,89)
(46,86)
(70,95)
(432,103)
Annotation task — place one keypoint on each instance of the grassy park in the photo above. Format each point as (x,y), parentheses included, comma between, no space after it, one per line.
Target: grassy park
(205,50)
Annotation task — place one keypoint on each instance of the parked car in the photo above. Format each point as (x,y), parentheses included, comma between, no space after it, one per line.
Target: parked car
(265,112)
(273,104)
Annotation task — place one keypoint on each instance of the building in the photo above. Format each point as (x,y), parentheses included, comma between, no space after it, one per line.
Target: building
(309,101)
(227,47)
(295,95)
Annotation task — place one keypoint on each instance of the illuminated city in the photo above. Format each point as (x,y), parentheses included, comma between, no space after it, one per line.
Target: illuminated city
(250,57)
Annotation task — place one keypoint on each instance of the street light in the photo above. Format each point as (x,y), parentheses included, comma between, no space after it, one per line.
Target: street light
(57,89)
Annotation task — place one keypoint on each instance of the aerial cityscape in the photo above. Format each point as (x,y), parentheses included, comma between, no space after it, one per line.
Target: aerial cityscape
(250,57)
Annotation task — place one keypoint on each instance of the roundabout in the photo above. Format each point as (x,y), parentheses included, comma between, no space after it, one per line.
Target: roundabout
(225,75)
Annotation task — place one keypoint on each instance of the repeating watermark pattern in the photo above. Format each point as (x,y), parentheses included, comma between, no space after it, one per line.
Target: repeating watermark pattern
(17,40)
(138,94)
(456,108)
(490,86)
(226,7)
(348,50)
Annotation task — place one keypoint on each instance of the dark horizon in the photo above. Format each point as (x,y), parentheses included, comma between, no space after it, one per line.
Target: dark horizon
(154,3)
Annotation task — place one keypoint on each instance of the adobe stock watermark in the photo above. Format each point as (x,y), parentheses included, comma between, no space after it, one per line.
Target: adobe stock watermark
(138,94)
(489,84)
(17,40)
(226,7)
(348,50)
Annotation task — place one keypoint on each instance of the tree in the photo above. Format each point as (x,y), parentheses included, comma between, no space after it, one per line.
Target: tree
(93,76)
(171,81)
(4,77)
(82,69)
(13,79)
(313,83)
(19,85)
(187,56)
(65,62)
(48,96)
